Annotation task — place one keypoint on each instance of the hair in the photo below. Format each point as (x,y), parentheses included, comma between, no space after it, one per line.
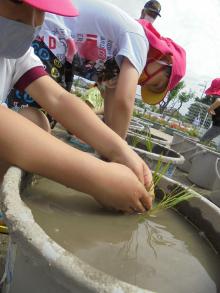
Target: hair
(168,71)
(17,1)
(151,13)
(110,70)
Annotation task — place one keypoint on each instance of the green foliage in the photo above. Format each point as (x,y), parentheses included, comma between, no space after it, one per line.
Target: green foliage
(171,96)
(137,114)
(135,140)
(207,100)
(193,132)
(169,199)
(148,142)
(196,109)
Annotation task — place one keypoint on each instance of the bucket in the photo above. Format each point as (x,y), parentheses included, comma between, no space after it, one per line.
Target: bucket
(186,147)
(153,138)
(35,263)
(158,153)
(205,169)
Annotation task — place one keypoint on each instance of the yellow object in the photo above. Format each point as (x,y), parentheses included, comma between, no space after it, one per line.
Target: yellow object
(3,229)
(94,98)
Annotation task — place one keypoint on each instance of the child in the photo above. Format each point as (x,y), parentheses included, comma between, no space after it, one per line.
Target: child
(24,144)
(112,49)
(214,92)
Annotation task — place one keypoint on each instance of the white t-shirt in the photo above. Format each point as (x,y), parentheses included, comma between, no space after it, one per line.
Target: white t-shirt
(12,70)
(102,31)
(55,34)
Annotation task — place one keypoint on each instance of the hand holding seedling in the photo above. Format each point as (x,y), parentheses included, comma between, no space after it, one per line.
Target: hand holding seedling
(122,191)
(130,159)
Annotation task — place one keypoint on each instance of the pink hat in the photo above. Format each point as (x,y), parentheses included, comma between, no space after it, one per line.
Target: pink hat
(214,89)
(166,47)
(60,7)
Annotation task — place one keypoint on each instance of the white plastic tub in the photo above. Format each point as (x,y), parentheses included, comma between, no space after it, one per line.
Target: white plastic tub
(35,263)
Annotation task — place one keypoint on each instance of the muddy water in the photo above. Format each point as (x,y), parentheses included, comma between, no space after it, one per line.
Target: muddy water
(164,254)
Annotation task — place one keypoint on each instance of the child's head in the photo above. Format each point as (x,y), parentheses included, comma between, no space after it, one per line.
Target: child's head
(19,20)
(165,67)
(156,74)
(214,89)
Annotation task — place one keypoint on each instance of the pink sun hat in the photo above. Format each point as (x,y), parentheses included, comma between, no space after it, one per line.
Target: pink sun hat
(60,7)
(166,47)
(214,89)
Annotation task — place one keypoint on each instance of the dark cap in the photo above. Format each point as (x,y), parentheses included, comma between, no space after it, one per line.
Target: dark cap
(154,6)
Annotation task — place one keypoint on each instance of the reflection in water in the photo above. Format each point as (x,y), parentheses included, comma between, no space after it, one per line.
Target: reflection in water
(150,254)
(155,236)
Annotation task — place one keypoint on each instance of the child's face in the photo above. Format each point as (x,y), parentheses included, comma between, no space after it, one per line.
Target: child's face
(19,23)
(21,12)
(156,83)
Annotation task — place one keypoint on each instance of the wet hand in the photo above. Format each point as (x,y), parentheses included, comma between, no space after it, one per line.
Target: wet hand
(123,191)
(130,159)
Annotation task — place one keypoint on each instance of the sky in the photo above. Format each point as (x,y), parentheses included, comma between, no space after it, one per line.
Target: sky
(195,25)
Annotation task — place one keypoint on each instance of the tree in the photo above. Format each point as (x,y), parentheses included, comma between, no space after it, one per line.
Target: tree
(183,97)
(171,96)
(199,109)
(207,100)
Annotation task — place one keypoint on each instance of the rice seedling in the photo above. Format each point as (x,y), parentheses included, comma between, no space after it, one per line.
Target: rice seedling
(148,143)
(135,140)
(168,199)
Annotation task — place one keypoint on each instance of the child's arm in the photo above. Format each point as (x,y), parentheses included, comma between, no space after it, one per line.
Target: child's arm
(215,105)
(24,144)
(119,102)
(80,120)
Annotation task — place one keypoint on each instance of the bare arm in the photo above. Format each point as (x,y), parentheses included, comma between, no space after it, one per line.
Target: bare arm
(75,116)
(119,102)
(79,119)
(215,105)
(26,145)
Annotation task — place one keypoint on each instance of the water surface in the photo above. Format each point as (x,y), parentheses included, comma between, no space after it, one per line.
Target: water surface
(164,254)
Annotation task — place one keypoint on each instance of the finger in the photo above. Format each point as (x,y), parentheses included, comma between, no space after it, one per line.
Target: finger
(148,178)
(127,211)
(141,177)
(131,211)
(139,207)
(146,201)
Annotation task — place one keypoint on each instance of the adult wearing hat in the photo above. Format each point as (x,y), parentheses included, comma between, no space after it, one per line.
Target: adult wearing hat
(151,11)
(214,92)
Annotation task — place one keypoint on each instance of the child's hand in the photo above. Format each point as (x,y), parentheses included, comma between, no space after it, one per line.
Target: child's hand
(129,158)
(211,111)
(120,189)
